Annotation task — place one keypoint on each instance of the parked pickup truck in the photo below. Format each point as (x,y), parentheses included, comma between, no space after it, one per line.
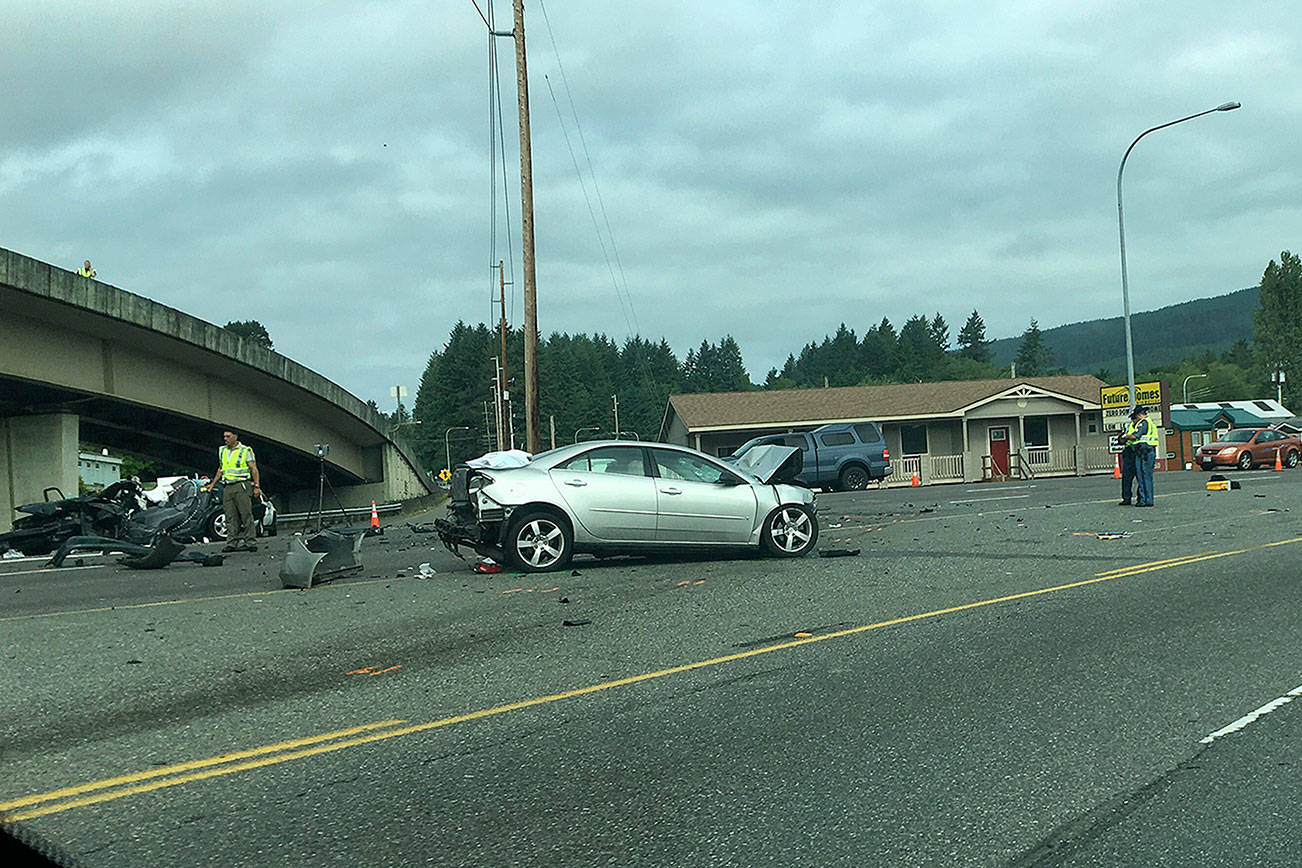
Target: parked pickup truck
(842,455)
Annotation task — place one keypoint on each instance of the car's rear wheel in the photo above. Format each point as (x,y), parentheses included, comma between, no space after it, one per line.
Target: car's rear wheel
(1290,460)
(538,542)
(853,478)
(790,531)
(217,526)
(1245,460)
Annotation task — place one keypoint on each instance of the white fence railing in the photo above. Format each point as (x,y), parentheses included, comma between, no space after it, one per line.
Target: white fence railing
(946,468)
(1037,461)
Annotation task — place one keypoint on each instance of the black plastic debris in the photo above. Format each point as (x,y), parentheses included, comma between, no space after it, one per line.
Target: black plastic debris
(578,623)
(838,553)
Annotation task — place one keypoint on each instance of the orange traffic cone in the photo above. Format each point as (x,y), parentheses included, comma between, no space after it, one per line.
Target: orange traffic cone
(1116,467)
(915,481)
(1279,465)
(375,515)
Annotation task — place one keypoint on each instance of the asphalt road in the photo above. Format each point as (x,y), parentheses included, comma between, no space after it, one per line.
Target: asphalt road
(987,682)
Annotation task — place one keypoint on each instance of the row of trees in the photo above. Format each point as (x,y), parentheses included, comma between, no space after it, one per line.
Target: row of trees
(582,373)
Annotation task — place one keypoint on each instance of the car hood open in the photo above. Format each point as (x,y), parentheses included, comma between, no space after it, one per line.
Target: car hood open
(771,463)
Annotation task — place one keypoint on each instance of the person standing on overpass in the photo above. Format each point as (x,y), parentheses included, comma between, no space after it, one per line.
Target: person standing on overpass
(238,471)
(86,270)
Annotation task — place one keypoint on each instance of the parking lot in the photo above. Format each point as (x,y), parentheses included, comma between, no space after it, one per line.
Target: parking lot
(1020,671)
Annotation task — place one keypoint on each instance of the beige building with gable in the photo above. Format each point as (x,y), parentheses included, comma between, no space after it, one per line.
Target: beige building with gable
(953,431)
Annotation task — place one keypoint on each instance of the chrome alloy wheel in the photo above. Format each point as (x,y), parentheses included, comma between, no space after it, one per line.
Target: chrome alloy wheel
(540,543)
(791,529)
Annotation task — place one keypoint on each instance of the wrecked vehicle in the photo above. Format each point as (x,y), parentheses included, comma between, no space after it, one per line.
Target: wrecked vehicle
(621,497)
(47,524)
(214,524)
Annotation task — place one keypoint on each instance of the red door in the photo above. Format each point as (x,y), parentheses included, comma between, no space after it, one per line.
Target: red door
(999,451)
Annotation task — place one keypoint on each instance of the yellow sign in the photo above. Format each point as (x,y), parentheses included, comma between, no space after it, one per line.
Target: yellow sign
(1115,401)
(445,474)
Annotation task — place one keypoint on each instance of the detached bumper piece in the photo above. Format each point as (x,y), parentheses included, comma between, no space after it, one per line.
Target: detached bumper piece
(329,554)
(161,551)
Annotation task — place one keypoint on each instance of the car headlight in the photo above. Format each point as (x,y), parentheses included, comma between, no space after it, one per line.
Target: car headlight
(1230,450)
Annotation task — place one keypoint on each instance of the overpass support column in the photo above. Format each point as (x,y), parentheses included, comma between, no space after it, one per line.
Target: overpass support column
(36,452)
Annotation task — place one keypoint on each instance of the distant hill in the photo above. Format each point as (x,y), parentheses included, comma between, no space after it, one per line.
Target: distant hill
(1161,336)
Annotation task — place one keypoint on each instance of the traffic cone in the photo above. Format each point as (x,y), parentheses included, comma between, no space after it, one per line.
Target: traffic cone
(1279,465)
(1116,467)
(375,515)
(915,481)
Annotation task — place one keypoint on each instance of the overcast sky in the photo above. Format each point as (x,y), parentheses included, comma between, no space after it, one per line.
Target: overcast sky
(767,170)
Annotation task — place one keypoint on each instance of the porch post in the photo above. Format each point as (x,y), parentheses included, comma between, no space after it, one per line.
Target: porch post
(1080,470)
(966,450)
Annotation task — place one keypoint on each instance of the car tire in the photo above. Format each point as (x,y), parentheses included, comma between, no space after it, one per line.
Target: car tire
(538,542)
(1290,460)
(852,478)
(217,526)
(790,531)
(1245,460)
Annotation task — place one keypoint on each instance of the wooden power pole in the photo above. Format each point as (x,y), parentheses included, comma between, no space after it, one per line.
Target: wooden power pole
(531,415)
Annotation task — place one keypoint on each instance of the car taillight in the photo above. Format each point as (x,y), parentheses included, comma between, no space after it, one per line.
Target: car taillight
(886,454)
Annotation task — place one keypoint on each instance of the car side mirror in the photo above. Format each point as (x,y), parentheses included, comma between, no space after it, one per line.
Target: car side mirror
(730,480)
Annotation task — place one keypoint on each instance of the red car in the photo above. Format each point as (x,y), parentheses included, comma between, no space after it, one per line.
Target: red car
(1247,448)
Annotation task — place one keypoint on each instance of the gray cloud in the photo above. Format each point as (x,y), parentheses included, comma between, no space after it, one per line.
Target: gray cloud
(323,167)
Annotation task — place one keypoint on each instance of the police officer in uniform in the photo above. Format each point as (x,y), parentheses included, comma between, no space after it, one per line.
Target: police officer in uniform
(1142,434)
(238,471)
(1126,439)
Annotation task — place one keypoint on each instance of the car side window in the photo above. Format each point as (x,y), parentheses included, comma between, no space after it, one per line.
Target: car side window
(836,438)
(867,432)
(621,460)
(688,468)
(792,440)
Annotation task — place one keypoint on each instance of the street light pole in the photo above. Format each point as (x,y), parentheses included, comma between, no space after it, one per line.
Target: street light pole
(447,446)
(588,428)
(1185,389)
(1121,229)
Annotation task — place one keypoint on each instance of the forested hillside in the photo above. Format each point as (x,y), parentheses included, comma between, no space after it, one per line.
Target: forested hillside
(1161,337)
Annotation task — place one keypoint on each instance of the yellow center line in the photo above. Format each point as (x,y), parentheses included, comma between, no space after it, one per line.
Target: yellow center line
(285,752)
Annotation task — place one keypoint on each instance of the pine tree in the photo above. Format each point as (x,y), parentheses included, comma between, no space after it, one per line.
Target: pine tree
(1277,324)
(1034,358)
(939,331)
(972,339)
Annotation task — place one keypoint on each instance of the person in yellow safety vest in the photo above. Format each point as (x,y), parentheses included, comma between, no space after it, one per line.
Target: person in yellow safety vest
(86,270)
(238,473)
(1142,436)
(1127,440)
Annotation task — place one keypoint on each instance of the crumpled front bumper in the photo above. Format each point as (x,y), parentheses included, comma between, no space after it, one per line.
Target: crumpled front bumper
(483,540)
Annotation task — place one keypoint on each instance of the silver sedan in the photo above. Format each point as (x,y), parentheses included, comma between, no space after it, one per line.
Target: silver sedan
(607,497)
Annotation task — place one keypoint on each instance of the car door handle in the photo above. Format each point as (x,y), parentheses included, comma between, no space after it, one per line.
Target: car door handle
(577,483)
(671,491)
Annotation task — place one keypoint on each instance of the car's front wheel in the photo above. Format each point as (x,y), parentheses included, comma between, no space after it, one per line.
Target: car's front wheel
(538,542)
(217,526)
(790,531)
(1245,460)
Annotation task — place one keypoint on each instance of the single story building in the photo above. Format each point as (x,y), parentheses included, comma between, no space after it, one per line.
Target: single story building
(953,431)
(98,470)
(1192,425)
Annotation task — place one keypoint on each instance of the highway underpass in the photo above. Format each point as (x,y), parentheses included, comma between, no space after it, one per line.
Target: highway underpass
(85,362)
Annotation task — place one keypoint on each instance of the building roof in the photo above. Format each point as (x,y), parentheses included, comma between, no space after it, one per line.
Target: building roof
(847,403)
(1264,409)
(1206,417)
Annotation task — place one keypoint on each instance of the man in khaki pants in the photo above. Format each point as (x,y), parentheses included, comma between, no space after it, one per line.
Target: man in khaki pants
(238,471)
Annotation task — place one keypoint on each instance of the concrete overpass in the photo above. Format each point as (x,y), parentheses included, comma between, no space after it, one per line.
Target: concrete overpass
(82,361)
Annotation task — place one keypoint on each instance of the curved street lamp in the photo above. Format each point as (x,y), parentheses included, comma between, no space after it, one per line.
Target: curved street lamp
(581,430)
(1185,388)
(1121,229)
(447,444)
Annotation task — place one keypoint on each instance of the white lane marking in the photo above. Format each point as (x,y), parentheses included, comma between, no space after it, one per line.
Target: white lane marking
(981,499)
(1253,716)
(53,570)
(1006,487)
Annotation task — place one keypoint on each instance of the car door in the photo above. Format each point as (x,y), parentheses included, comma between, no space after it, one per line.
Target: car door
(610,493)
(698,500)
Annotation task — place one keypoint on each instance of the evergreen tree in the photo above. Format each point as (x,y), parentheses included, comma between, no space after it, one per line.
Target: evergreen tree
(1277,324)
(939,331)
(920,356)
(1034,358)
(972,339)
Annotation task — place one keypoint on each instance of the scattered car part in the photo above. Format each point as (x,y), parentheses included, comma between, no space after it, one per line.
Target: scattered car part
(326,555)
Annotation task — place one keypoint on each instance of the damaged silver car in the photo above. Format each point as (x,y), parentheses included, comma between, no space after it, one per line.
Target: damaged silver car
(619,497)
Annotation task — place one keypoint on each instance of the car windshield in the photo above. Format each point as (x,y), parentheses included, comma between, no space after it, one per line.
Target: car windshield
(1238,436)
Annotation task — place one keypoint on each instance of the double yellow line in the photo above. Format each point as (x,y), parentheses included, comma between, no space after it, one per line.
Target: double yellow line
(109,789)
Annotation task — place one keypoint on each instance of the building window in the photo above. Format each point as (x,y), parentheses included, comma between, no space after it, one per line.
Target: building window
(1036,431)
(913,439)
(1094,429)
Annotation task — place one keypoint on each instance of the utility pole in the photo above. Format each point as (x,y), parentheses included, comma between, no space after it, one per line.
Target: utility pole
(615,398)
(531,417)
